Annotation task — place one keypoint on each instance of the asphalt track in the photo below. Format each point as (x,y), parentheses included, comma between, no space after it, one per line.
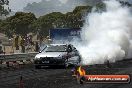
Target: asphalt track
(59,77)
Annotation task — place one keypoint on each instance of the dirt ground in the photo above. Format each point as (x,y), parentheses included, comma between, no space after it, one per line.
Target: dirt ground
(60,77)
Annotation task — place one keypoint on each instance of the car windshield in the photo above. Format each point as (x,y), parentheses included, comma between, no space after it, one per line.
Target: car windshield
(56,48)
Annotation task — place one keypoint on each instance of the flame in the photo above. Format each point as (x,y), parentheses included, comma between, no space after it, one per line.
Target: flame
(81,71)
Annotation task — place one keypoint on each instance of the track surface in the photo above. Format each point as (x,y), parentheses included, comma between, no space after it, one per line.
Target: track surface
(60,77)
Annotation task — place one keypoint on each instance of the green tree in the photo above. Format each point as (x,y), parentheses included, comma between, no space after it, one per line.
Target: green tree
(5,27)
(49,21)
(100,7)
(59,20)
(3,10)
(20,23)
(82,9)
(75,19)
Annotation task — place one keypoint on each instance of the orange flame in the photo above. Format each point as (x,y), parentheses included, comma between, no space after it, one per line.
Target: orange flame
(81,71)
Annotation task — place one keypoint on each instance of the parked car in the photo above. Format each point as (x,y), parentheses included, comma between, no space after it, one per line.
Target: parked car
(57,54)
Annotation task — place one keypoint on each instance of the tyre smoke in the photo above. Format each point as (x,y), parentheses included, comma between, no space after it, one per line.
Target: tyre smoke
(106,35)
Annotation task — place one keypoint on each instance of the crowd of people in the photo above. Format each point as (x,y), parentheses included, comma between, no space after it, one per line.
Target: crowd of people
(25,44)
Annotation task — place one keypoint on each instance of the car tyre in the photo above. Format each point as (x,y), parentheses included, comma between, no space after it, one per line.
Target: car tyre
(81,80)
(66,65)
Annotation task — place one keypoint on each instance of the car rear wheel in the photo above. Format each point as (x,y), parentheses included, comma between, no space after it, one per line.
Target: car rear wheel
(80,79)
(66,66)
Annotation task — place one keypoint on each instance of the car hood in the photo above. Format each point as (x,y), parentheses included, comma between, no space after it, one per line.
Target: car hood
(50,54)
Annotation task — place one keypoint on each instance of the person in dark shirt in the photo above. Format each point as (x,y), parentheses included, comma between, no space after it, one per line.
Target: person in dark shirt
(37,47)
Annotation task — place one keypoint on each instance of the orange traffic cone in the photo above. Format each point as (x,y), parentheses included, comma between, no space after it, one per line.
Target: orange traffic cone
(21,84)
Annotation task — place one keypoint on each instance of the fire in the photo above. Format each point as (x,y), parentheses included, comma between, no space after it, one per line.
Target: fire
(81,71)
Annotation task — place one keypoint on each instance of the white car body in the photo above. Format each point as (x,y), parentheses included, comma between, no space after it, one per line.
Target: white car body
(58,57)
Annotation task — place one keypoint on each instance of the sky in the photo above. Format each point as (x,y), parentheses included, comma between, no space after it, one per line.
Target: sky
(42,7)
(18,5)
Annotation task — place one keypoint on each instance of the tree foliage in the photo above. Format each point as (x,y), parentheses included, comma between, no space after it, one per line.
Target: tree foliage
(46,22)
(20,23)
(3,10)
(59,20)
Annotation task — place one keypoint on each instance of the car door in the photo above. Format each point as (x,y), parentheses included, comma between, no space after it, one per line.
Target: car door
(73,56)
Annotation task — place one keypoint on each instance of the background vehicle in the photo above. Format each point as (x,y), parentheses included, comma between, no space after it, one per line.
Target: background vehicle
(57,54)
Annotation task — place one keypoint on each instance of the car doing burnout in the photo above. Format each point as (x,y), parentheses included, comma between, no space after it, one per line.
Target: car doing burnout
(57,54)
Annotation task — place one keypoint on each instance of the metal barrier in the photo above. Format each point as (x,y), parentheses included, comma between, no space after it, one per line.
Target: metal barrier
(13,59)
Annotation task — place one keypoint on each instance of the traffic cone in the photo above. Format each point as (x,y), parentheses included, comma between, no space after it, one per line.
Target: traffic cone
(21,84)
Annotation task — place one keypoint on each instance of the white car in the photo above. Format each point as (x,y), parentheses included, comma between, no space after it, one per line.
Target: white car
(57,54)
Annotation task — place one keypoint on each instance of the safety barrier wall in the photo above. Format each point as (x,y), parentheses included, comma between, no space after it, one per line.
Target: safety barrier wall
(16,59)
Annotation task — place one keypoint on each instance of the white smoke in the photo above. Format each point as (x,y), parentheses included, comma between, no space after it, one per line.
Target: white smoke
(106,35)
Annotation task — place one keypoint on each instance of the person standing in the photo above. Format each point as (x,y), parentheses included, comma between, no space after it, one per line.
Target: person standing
(1,49)
(23,45)
(37,48)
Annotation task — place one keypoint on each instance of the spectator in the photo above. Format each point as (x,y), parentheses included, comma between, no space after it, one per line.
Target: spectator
(1,50)
(37,48)
(16,43)
(23,45)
